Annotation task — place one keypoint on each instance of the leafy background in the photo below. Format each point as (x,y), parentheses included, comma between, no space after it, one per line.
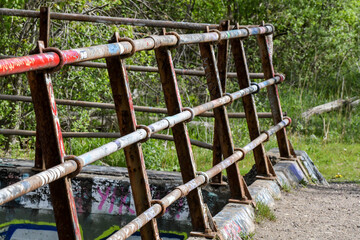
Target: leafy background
(316,45)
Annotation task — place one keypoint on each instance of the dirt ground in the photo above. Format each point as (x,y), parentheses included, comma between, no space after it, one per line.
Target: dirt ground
(315,212)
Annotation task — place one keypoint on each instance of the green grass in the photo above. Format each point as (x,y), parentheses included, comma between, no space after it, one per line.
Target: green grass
(263,212)
(337,161)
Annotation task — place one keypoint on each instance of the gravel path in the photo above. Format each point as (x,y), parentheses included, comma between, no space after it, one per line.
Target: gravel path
(315,212)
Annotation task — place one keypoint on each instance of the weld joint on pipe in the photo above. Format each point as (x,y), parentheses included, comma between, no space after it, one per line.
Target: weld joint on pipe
(281,76)
(148,132)
(206,176)
(267,135)
(162,205)
(79,163)
(191,112)
(243,153)
(157,43)
(171,121)
(257,87)
(289,119)
(184,190)
(272,28)
(231,98)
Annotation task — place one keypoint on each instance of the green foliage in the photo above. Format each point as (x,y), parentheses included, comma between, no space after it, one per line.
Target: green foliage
(316,44)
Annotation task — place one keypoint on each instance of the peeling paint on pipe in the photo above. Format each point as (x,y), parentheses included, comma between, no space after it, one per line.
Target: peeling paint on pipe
(49,60)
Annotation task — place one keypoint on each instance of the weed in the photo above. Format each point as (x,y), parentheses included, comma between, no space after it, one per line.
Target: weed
(247,236)
(262,212)
(303,183)
(286,188)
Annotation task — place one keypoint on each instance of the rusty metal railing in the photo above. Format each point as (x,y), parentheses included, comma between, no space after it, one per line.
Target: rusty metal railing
(136,108)
(47,176)
(60,167)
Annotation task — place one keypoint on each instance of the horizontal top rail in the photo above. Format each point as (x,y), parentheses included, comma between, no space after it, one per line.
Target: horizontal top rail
(51,59)
(52,174)
(136,68)
(109,20)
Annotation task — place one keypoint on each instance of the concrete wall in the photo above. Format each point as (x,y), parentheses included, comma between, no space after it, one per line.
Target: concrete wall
(104,202)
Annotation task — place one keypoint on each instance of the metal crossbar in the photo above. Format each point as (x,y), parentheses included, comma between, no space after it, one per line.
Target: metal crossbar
(60,167)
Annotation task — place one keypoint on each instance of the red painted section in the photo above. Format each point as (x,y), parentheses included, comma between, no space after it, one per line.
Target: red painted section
(36,62)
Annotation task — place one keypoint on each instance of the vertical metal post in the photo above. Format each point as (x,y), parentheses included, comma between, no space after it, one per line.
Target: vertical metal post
(134,156)
(53,152)
(44,36)
(184,152)
(222,66)
(263,165)
(273,95)
(238,188)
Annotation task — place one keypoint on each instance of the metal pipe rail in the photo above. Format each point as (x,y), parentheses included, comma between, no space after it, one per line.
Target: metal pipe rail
(101,135)
(135,68)
(108,20)
(112,106)
(155,69)
(51,59)
(52,174)
(203,178)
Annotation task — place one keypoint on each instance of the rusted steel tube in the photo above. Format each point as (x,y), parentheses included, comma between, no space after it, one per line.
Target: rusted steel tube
(101,135)
(108,20)
(38,180)
(236,95)
(51,59)
(138,135)
(136,108)
(184,189)
(168,122)
(141,134)
(155,69)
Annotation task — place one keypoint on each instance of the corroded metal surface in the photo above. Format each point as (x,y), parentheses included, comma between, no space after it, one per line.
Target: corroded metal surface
(273,95)
(181,137)
(236,183)
(182,190)
(51,59)
(155,69)
(222,68)
(136,108)
(263,165)
(134,156)
(52,148)
(108,20)
(140,134)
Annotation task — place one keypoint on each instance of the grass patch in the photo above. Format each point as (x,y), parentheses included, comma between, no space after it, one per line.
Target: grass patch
(263,212)
(337,161)
(247,236)
(286,188)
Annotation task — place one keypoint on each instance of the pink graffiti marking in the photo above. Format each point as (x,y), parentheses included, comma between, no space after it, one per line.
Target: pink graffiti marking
(181,203)
(122,203)
(112,200)
(103,197)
